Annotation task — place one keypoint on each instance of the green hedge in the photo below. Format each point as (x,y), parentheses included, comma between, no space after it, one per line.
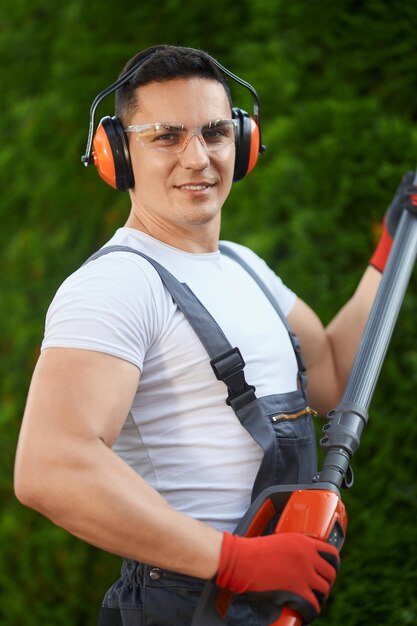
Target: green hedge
(337,86)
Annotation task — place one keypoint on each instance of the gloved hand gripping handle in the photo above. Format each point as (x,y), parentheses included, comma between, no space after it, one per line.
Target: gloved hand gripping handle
(315,510)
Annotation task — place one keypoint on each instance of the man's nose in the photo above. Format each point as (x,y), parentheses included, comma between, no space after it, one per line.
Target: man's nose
(195,152)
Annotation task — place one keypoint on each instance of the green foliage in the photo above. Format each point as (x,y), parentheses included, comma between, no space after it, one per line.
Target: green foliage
(337,86)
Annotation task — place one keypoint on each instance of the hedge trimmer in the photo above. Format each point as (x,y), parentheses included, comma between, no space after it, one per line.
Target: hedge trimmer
(316,509)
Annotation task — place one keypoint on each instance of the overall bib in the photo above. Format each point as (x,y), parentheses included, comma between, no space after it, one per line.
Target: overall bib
(281,424)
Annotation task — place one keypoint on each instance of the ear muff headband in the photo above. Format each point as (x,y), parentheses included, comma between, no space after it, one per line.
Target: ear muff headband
(108,148)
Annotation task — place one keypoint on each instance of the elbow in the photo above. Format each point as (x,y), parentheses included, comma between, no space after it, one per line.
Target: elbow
(48,482)
(26,497)
(26,488)
(31,484)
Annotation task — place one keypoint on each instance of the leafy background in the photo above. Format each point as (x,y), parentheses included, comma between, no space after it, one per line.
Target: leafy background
(337,82)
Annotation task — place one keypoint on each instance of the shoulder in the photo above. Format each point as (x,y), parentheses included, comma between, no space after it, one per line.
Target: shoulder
(117,272)
(284,295)
(117,280)
(248,255)
(243,251)
(115,304)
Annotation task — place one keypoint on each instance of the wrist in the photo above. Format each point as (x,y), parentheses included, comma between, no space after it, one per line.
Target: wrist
(230,574)
(223,570)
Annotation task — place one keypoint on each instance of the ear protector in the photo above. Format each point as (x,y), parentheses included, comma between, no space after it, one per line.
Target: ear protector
(108,149)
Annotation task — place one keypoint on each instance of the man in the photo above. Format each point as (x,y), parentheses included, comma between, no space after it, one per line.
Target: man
(127,441)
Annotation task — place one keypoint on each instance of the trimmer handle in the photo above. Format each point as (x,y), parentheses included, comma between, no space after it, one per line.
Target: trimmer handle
(314,509)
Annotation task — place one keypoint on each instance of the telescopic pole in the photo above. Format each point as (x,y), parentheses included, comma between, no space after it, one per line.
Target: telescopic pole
(347,421)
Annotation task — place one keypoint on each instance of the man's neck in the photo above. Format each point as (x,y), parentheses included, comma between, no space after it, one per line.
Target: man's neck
(197,238)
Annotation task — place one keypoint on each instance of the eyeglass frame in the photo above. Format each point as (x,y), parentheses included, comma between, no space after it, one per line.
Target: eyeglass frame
(194,131)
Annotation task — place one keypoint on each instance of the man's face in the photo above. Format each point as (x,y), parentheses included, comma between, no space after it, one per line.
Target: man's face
(177,191)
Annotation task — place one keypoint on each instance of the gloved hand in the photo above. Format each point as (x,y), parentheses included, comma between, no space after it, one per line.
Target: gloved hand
(287,568)
(405,195)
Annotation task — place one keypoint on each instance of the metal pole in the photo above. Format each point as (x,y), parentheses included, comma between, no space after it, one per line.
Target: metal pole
(347,421)
(380,326)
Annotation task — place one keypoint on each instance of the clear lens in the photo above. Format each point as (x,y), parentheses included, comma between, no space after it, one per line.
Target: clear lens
(171,137)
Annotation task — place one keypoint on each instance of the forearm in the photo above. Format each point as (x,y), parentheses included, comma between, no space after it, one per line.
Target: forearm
(345,331)
(100,499)
(328,353)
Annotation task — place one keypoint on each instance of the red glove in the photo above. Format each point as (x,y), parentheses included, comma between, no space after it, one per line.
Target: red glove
(403,199)
(297,569)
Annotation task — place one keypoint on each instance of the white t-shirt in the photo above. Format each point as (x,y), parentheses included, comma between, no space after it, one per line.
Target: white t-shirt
(180,435)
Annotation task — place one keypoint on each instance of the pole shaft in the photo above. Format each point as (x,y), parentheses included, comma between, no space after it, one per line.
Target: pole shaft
(348,420)
(379,328)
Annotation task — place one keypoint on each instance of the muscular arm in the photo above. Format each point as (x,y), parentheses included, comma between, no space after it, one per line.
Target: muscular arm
(66,470)
(329,352)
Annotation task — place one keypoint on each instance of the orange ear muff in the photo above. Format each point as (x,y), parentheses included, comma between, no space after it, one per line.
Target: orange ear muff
(111,154)
(255,139)
(247,145)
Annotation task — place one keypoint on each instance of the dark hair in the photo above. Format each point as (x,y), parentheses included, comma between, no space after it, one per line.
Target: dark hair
(165,63)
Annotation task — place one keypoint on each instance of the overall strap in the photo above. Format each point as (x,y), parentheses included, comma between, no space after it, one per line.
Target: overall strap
(302,377)
(227,362)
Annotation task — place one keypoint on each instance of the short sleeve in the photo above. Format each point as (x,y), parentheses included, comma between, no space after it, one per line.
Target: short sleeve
(114,304)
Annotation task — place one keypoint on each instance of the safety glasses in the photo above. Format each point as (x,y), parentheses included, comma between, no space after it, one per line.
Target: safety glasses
(173,138)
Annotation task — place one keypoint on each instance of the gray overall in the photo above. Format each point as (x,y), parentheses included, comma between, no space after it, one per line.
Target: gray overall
(281,424)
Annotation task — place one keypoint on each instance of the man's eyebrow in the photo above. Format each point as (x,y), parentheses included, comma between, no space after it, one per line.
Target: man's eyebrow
(177,125)
(173,125)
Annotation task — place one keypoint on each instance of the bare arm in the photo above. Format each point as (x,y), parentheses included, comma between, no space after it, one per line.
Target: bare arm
(329,352)
(65,468)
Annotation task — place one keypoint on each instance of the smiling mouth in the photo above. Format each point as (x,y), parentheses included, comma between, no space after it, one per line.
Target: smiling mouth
(195,187)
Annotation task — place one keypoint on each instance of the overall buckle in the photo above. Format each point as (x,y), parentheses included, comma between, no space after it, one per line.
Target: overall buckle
(228,367)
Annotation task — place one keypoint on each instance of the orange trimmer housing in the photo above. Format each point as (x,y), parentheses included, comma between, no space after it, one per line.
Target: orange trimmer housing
(315,509)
